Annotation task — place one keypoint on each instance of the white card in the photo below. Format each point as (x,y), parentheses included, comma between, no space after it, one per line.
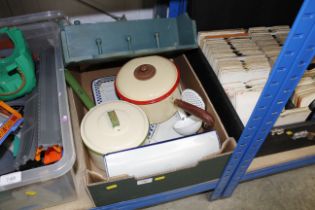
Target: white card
(10,178)
(162,157)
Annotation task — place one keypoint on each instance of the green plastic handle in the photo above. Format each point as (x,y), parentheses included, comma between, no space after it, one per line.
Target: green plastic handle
(113,118)
(73,83)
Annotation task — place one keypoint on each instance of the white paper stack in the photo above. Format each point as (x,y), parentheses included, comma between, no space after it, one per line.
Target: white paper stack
(244,96)
(160,158)
(204,35)
(270,39)
(242,69)
(242,60)
(304,93)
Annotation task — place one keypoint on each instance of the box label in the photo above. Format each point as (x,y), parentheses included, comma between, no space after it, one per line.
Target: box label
(10,178)
(111,187)
(144,181)
(159,178)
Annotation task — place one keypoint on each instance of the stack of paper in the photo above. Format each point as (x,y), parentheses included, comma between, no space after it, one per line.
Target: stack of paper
(242,60)
(270,39)
(304,93)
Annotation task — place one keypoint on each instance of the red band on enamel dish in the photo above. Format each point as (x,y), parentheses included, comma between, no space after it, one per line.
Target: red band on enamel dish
(152,101)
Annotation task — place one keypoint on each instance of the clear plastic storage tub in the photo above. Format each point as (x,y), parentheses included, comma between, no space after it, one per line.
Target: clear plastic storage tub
(47,122)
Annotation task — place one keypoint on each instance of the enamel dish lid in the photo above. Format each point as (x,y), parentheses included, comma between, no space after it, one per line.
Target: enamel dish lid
(147,80)
(114,126)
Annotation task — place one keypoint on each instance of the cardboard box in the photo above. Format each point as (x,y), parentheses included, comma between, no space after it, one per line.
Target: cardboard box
(105,191)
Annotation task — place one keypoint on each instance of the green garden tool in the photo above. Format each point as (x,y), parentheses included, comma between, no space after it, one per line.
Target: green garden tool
(17,73)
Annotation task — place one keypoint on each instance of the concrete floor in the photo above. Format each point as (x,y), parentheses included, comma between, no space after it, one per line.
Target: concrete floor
(292,190)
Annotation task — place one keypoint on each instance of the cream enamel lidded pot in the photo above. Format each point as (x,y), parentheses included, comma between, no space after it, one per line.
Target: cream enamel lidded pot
(152,83)
(111,127)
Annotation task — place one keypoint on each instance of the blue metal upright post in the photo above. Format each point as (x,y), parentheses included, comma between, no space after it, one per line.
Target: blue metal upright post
(177,7)
(296,54)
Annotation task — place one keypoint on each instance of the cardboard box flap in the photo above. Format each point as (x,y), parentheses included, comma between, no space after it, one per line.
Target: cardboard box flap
(113,40)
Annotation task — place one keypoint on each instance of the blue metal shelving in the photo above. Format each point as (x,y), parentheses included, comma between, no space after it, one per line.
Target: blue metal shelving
(177,7)
(296,54)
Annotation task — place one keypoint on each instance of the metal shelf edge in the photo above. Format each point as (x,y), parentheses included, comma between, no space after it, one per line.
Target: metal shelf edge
(282,167)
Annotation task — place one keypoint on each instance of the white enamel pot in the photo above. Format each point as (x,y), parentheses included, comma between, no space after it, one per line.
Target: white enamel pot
(113,126)
(152,83)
